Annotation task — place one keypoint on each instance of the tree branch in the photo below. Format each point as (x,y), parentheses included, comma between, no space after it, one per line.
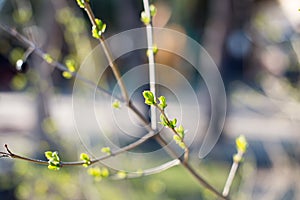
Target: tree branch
(108,54)
(152,81)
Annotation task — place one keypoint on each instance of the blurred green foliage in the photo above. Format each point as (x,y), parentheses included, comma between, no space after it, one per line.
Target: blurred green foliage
(32,181)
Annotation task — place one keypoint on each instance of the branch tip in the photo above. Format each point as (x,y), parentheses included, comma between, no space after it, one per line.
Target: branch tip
(7,149)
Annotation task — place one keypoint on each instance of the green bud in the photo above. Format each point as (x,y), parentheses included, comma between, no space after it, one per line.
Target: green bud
(48,155)
(122,174)
(182,145)
(98,29)
(48,58)
(153,10)
(176,138)
(67,75)
(53,160)
(53,167)
(71,65)
(106,150)
(149,98)
(154,49)
(164,121)
(80,3)
(241,144)
(55,156)
(116,104)
(86,159)
(179,141)
(144,18)
(100,25)
(94,171)
(162,102)
(104,172)
(180,131)
(173,123)
(95,32)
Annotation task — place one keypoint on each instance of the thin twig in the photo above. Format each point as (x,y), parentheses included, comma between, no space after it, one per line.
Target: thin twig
(231,175)
(186,149)
(29,44)
(152,80)
(12,155)
(108,54)
(147,172)
(203,182)
(189,168)
(117,152)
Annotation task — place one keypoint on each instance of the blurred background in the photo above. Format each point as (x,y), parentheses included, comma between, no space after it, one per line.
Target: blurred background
(254,43)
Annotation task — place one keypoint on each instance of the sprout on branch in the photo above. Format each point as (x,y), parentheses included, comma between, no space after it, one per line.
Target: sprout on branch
(116,104)
(98,29)
(53,160)
(162,102)
(153,10)
(106,150)
(70,64)
(86,159)
(82,2)
(149,98)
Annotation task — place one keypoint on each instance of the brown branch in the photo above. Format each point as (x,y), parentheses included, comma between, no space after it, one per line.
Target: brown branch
(10,154)
(39,52)
(108,54)
(186,149)
(78,163)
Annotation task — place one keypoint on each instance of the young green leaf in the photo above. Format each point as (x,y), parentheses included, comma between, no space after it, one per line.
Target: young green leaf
(154,49)
(100,25)
(98,29)
(71,65)
(179,141)
(86,159)
(162,102)
(104,172)
(95,32)
(67,75)
(106,150)
(149,98)
(48,155)
(116,104)
(80,3)
(176,138)
(173,123)
(153,10)
(48,58)
(182,145)
(55,156)
(53,160)
(94,171)
(145,19)
(241,144)
(180,131)
(53,167)
(122,174)
(164,121)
